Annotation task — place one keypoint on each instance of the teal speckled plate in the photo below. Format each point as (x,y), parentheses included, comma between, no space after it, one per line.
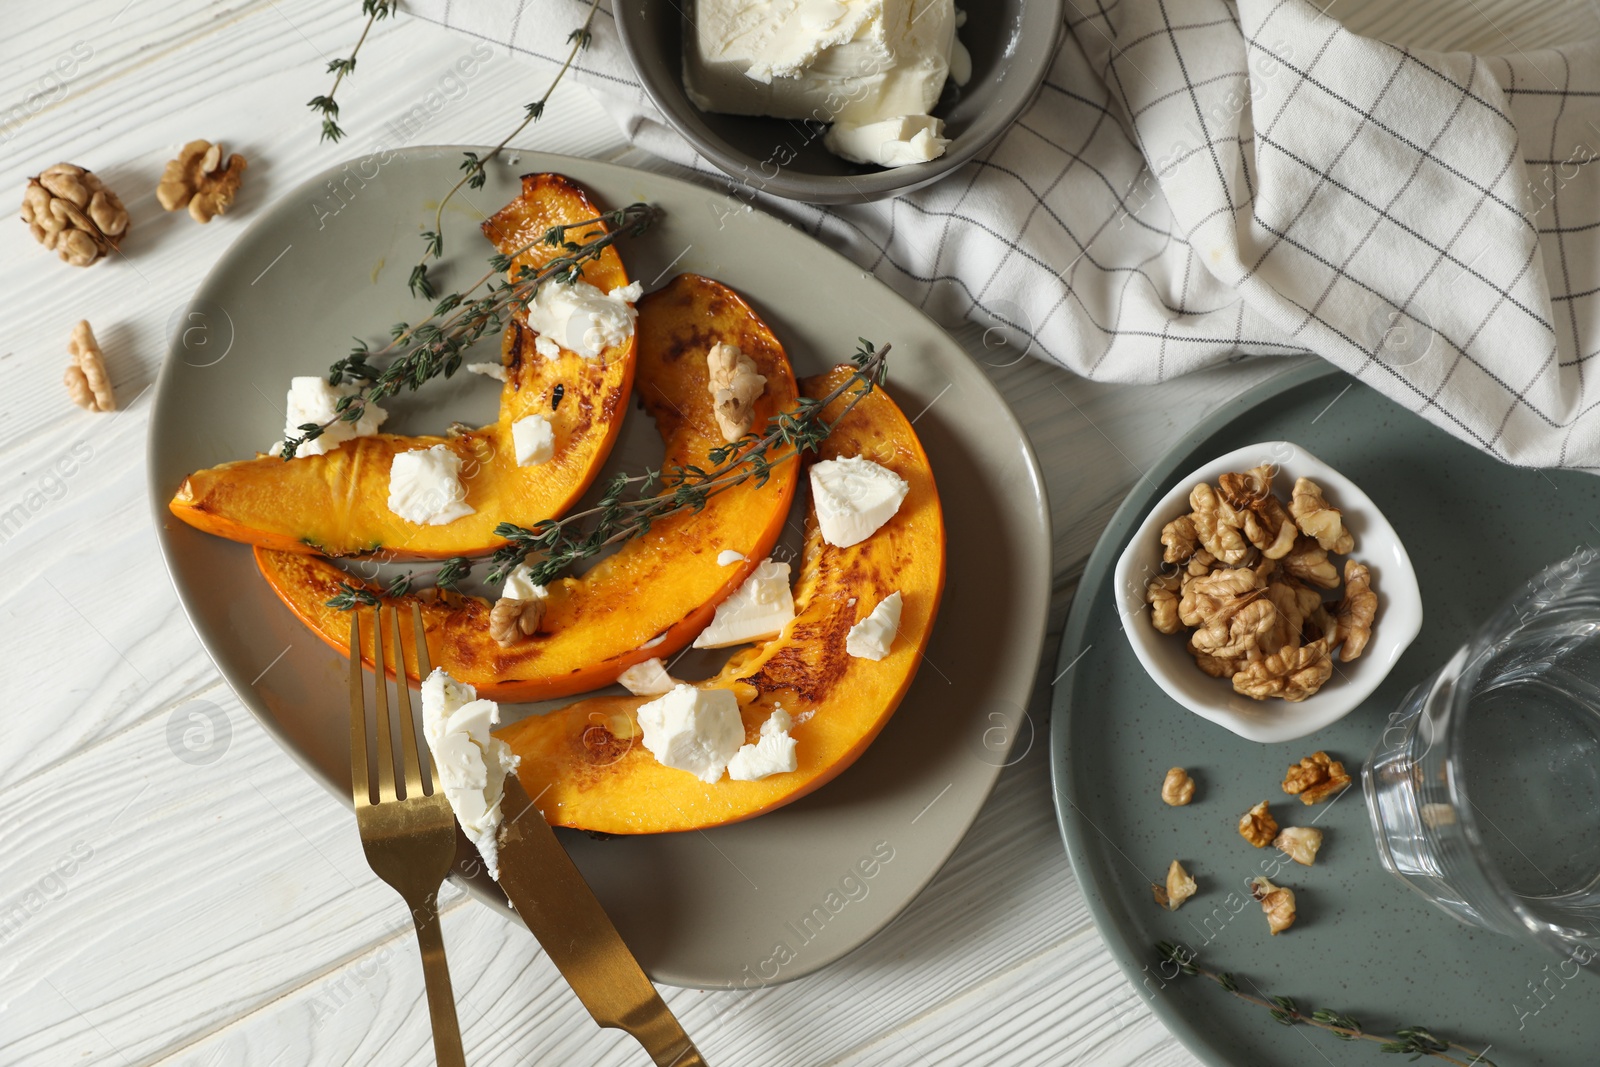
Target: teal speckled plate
(1364,944)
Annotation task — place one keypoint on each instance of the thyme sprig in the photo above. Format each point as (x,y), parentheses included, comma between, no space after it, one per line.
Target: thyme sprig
(632,504)
(474,166)
(1412,1041)
(327,106)
(417,353)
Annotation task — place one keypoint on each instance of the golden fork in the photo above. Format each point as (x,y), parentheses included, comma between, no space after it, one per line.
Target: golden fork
(411,841)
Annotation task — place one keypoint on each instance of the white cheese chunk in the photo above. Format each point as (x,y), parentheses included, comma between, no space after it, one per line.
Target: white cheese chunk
(520,585)
(854,497)
(894,142)
(654,641)
(758,610)
(534,440)
(471,764)
(425,486)
(774,753)
(496,371)
(313,400)
(694,730)
(872,637)
(647,679)
(580,318)
(728,557)
(846,61)
(546,348)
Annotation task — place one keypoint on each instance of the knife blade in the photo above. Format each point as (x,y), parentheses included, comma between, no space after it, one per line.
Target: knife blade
(546,888)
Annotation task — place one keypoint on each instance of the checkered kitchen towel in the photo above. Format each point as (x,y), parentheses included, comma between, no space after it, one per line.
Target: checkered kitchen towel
(1201,180)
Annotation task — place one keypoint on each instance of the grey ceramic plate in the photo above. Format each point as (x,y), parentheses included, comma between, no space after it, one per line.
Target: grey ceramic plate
(727,907)
(1364,944)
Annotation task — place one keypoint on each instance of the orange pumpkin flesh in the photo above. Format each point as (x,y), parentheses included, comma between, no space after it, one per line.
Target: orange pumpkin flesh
(337,503)
(588,774)
(666,584)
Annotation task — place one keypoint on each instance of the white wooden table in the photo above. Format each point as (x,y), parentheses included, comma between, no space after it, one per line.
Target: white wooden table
(217,909)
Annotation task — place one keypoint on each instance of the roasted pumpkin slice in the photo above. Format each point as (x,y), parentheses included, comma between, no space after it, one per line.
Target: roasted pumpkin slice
(586,761)
(656,592)
(337,503)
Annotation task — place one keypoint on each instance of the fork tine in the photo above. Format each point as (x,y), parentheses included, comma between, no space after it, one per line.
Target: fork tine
(385,742)
(423,667)
(360,782)
(402,706)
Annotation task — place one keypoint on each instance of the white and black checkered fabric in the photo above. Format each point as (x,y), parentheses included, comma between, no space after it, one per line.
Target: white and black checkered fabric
(1201,181)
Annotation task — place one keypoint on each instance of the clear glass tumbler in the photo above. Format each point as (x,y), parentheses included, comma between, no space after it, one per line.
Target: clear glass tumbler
(1484,791)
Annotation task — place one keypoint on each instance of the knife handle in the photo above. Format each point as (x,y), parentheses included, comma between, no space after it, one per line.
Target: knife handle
(663,1037)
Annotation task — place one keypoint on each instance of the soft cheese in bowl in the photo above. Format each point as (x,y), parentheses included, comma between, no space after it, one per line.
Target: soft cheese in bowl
(873,68)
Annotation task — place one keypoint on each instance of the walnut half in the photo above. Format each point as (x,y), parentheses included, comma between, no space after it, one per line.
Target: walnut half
(1315,778)
(86,379)
(1257,826)
(735,386)
(510,620)
(199,179)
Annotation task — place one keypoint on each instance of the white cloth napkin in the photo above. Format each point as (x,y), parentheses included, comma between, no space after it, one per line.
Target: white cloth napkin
(1201,181)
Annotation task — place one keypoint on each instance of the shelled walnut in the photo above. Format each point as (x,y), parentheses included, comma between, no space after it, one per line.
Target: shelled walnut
(1246,575)
(1177,789)
(1299,843)
(1277,901)
(71,212)
(199,179)
(510,620)
(1179,888)
(1257,826)
(735,386)
(1315,778)
(86,379)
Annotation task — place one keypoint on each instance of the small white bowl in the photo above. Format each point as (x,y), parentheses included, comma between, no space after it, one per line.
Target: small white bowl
(1166,658)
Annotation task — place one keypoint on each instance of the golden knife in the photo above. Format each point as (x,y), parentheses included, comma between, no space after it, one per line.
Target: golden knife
(559,907)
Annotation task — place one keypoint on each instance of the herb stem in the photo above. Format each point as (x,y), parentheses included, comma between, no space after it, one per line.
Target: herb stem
(474,167)
(1413,1040)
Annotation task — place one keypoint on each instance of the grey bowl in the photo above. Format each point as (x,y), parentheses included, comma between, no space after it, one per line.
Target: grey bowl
(1012,43)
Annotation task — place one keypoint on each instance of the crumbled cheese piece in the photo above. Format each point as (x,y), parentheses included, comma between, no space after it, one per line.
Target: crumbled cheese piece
(872,637)
(656,640)
(893,142)
(520,585)
(647,679)
(471,763)
(758,610)
(854,497)
(728,557)
(582,319)
(425,486)
(694,730)
(488,370)
(313,400)
(534,440)
(546,348)
(774,753)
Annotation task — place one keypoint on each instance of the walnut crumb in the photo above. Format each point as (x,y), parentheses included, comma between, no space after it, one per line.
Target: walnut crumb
(1299,843)
(1179,888)
(1277,901)
(1257,826)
